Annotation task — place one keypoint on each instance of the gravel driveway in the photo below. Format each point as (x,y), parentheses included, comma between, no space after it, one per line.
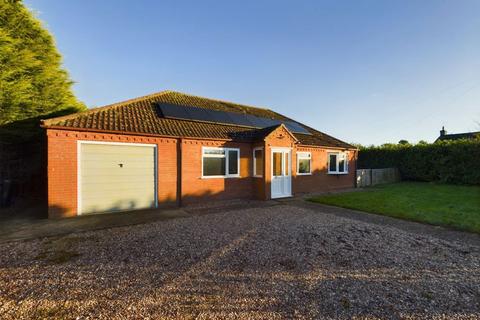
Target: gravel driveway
(275,262)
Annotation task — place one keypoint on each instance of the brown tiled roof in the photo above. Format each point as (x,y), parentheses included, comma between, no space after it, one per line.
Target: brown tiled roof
(141,116)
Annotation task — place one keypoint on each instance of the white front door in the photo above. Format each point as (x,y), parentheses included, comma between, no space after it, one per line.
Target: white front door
(281,172)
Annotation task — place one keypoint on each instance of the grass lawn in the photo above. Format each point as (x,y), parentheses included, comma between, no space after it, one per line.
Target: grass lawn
(437,204)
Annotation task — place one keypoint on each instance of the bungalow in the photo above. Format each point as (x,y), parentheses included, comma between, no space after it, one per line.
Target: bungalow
(172,148)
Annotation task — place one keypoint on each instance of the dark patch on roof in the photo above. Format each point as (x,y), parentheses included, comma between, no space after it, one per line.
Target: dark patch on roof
(141,116)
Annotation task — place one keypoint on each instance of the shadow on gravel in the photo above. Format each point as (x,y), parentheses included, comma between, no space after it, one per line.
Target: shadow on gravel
(277,262)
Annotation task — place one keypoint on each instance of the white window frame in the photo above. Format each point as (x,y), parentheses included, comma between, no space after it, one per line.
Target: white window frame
(304,155)
(226,150)
(337,164)
(255,162)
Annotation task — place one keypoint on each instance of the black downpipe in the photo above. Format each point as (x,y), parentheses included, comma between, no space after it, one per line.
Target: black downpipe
(179,172)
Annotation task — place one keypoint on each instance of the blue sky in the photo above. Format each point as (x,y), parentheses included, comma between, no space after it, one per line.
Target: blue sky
(364,71)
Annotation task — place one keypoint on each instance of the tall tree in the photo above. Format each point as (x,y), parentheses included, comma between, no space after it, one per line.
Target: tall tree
(32,80)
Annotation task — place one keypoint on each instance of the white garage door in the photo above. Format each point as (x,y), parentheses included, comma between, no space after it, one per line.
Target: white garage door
(116,177)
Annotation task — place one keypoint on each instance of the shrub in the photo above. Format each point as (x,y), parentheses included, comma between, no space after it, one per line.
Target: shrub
(33,82)
(456,162)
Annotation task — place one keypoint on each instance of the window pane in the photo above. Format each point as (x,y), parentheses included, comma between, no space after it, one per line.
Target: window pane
(341,165)
(214,151)
(232,162)
(258,163)
(286,164)
(277,164)
(304,166)
(213,166)
(333,163)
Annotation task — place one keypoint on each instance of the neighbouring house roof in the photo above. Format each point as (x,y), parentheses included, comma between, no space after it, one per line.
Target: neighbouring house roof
(457,136)
(142,116)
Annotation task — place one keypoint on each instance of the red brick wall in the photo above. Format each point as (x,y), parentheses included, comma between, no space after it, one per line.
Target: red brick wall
(195,188)
(258,182)
(61,173)
(62,167)
(320,180)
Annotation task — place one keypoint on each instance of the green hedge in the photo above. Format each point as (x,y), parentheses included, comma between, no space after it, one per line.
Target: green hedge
(455,162)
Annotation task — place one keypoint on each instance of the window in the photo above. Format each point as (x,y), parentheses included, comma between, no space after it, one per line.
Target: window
(277,164)
(258,162)
(220,162)
(304,161)
(338,163)
(232,162)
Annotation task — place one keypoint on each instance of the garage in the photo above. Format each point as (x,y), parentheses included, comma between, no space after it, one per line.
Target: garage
(116,177)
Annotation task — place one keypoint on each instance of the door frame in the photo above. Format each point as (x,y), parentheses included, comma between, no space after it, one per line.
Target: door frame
(79,167)
(289,153)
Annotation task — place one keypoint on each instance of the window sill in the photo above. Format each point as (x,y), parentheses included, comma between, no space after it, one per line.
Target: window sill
(337,173)
(304,174)
(219,177)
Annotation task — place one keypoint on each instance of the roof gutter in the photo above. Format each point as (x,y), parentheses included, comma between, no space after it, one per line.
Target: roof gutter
(327,147)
